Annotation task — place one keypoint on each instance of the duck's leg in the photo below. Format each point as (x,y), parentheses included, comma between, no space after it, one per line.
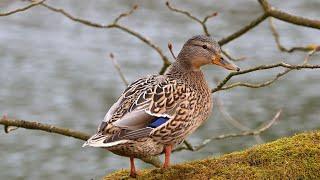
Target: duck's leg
(167,151)
(132,168)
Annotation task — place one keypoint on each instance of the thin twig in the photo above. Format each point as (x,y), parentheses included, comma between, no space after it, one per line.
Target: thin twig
(62,131)
(258,85)
(224,136)
(115,24)
(170,47)
(278,43)
(192,17)
(245,133)
(232,58)
(311,53)
(235,123)
(73,18)
(33,4)
(202,23)
(118,68)
(262,67)
(125,14)
(166,61)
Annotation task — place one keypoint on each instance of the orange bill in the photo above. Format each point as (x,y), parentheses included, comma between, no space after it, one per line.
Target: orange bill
(220,61)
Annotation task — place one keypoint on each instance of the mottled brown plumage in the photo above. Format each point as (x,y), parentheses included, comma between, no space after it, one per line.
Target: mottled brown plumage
(157,112)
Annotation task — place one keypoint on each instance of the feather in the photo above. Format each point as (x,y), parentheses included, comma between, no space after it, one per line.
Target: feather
(134,120)
(158,122)
(98,140)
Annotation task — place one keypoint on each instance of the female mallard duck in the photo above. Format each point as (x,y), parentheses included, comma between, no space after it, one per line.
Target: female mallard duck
(157,112)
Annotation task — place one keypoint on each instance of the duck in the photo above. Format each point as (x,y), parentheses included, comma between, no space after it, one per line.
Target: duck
(157,112)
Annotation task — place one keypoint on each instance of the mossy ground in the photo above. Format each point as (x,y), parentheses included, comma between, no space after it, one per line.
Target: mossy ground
(296,157)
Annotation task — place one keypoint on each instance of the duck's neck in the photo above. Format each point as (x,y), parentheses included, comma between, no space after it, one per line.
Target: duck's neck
(182,70)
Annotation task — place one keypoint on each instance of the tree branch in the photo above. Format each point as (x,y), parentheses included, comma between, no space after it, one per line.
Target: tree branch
(243,30)
(115,24)
(235,123)
(62,131)
(280,46)
(44,127)
(202,23)
(33,4)
(232,58)
(118,68)
(262,67)
(298,20)
(189,15)
(259,85)
(224,136)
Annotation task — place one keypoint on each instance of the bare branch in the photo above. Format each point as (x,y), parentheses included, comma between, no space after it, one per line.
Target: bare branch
(62,131)
(269,11)
(126,14)
(259,85)
(73,18)
(235,123)
(224,136)
(232,58)
(118,68)
(165,60)
(189,15)
(33,4)
(262,67)
(245,133)
(311,53)
(243,30)
(279,45)
(203,25)
(115,24)
(298,20)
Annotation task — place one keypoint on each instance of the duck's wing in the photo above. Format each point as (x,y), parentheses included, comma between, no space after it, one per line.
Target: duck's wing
(146,104)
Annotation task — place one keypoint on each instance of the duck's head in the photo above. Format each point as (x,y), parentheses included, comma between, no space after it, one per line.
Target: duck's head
(201,50)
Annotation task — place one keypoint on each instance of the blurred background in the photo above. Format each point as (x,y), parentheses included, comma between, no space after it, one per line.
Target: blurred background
(56,71)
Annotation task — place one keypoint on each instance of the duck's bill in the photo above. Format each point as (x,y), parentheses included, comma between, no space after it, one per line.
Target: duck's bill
(220,61)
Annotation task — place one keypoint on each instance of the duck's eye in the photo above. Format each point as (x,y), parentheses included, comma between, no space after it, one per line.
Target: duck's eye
(204,46)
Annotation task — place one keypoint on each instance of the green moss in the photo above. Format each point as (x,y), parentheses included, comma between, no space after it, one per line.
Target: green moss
(296,157)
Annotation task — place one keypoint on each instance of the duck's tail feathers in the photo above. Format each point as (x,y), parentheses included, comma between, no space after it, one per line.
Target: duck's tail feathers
(100,140)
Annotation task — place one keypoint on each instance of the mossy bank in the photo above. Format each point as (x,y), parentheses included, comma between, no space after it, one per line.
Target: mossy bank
(296,157)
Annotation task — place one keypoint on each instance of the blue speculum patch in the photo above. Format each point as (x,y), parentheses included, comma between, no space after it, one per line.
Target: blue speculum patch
(158,121)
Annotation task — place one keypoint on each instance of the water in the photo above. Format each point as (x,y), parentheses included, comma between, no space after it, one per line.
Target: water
(56,71)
